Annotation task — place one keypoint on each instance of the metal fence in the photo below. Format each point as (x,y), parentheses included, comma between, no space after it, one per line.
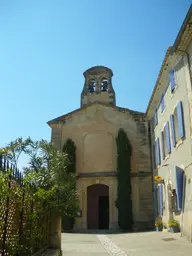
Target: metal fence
(24,222)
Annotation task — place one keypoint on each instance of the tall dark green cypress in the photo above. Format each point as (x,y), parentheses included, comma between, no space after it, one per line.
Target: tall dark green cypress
(70,149)
(124,202)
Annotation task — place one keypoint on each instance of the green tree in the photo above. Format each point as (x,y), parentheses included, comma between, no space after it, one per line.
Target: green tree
(47,169)
(69,149)
(54,188)
(124,202)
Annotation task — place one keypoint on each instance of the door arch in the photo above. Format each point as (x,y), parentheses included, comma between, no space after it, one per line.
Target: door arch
(98,206)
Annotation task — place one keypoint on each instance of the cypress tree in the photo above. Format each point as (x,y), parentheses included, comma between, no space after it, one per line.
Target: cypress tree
(124,202)
(70,149)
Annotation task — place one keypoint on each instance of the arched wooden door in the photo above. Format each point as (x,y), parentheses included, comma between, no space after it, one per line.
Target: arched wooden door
(98,207)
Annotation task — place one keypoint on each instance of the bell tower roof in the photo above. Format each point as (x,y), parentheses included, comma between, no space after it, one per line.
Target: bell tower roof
(98,70)
(98,86)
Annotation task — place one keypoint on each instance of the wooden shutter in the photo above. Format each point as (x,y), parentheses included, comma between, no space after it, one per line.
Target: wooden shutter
(168,137)
(173,130)
(161,199)
(154,157)
(162,146)
(152,124)
(156,202)
(180,120)
(158,154)
(179,187)
(172,79)
(162,103)
(155,117)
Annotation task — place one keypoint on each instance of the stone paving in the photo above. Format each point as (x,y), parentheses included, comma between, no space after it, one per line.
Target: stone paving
(130,244)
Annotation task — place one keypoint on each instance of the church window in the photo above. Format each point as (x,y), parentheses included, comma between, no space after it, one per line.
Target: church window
(92,86)
(104,85)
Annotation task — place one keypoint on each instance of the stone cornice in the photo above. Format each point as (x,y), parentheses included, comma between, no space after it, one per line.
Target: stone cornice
(157,84)
(96,174)
(139,174)
(185,34)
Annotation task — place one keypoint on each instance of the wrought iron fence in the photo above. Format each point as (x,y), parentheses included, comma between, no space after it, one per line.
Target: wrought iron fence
(24,224)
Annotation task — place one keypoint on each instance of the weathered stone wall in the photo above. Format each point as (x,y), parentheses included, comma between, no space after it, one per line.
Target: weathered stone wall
(94,130)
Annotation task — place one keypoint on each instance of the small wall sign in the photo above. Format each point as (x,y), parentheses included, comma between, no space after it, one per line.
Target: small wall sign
(79,214)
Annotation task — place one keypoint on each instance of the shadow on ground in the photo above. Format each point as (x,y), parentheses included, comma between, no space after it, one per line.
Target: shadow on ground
(103,232)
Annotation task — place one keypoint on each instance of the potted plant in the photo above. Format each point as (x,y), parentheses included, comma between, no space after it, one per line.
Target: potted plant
(174,226)
(159,224)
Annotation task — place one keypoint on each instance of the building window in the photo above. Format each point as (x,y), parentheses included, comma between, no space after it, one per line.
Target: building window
(177,124)
(160,197)
(157,152)
(175,118)
(179,173)
(163,143)
(168,142)
(154,157)
(162,103)
(165,140)
(172,121)
(155,118)
(92,86)
(104,85)
(172,80)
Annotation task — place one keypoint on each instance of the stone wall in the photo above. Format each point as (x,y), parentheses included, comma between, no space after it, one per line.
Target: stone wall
(94,130)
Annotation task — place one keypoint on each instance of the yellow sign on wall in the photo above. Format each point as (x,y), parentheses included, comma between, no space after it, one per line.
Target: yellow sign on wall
(158,178)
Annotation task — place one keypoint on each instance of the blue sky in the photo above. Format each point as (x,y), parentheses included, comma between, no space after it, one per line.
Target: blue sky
(45,46)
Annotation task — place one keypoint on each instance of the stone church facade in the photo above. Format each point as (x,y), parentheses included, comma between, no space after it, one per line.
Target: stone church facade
(94,127)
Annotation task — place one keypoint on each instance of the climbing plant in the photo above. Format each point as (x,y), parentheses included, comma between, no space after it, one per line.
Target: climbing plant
(124,202)
(69,149)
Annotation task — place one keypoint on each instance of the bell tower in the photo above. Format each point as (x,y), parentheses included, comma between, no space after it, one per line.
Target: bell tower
(98,86)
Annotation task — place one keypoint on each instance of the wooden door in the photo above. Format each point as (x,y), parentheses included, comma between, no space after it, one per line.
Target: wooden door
(93,194)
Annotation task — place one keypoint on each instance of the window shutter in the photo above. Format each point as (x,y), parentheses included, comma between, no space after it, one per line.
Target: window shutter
(180,120)
(172,79)
(158,154)
(168,137)
(156,203)
(179,187)
(152,124)
(155,117)
(154,157)
(173,130)
(162,142)
(162,103)
(161,199)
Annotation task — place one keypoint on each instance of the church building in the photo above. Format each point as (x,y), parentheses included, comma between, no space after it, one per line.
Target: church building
(94,128)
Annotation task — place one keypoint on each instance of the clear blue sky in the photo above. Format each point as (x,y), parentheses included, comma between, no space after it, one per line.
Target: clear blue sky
(46,45)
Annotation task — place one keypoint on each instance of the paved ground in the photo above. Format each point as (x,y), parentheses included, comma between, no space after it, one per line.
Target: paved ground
(130,244)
